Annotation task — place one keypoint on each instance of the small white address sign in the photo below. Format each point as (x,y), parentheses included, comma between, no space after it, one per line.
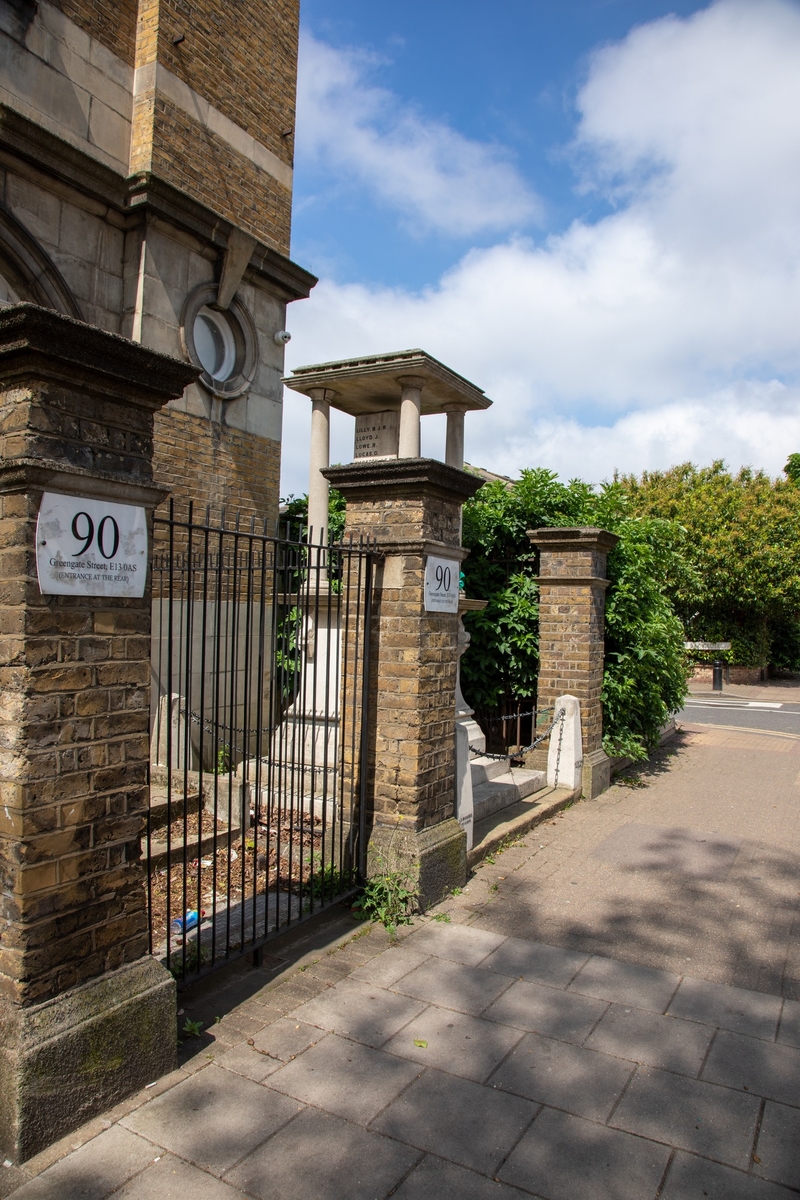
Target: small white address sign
(90,547)
(441,584)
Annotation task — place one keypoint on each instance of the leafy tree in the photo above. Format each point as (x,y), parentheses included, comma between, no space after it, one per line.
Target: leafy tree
(645,673)
(741,534)
(792,468)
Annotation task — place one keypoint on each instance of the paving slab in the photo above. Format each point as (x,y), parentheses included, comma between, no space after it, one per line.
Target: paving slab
(172,1179)
(581,1081)
(453,985)
(458,1120)
(94,1171)
(464,1045)
(789,1031)
(693,1115)
(754,1066)
(246,1060)
(285,1038)
(535,962)
(361,1011)
(386,968)
(213,1119)
(779,1145)
(656,1041)
(692,1178)
(321,1157)
(547,1010)
(445,1181)
(563,1157)
(346,1078)
(627,983)
(737,1009)
(460,943)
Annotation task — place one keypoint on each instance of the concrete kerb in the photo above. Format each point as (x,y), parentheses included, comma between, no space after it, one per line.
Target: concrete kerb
(511,823)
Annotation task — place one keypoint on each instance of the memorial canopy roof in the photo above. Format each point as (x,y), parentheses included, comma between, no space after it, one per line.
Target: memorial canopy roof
(372,383)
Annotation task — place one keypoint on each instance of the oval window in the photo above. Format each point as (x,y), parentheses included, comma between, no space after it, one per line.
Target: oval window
(215,343)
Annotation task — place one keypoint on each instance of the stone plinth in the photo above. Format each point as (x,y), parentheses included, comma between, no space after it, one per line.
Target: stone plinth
(572,584)
(412,508)
(87,1016)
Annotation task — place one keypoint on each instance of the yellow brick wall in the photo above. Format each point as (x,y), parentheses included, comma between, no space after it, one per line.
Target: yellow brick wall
(113,24)
(241,55)
(213,464)
(207,168)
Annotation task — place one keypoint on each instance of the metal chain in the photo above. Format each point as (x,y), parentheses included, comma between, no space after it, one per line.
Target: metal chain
(562,712)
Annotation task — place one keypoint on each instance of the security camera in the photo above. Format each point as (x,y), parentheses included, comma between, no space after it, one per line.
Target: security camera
(282,337)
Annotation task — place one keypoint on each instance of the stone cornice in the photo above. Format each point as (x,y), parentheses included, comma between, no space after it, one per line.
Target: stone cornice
(402,546)
(148,193)
(37,342)
(25,474)
(580,538)
(402,477)
(142,193)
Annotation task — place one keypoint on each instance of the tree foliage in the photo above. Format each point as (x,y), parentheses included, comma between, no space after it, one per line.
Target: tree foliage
(645,670)
(741,534)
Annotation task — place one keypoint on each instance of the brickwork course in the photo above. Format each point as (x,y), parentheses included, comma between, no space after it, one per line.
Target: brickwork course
(569,1025)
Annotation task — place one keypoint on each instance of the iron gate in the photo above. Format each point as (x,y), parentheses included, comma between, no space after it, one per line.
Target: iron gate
(260,668)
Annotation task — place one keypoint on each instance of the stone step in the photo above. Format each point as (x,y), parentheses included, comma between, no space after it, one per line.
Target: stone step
(528,782)
(485,769)
(506,789)
(160,815)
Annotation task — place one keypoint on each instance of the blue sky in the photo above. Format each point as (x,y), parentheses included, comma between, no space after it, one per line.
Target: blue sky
(591,208)
(508,79)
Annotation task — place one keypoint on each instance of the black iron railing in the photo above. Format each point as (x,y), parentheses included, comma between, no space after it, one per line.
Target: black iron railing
(260,667)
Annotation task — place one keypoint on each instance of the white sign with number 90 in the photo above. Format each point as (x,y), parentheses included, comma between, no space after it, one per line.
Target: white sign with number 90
(441,584)
(90,547)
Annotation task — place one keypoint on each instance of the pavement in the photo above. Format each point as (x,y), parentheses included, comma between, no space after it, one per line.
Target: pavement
(610,1009)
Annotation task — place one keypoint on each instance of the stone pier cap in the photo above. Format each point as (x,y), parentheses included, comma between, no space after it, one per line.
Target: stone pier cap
(373,383)
(578,537)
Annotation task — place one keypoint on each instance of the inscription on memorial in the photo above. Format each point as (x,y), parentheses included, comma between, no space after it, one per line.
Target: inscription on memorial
(377,435)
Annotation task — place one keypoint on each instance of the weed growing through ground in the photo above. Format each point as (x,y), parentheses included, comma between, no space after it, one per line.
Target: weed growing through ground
(442,917)
(192,1028)
(389,898)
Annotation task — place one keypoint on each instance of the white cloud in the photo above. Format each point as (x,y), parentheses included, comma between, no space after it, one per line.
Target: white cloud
(667,330)
(362,135)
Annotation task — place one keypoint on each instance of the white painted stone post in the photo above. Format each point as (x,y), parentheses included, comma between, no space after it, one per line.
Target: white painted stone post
(465,813)
(410,412)
(565,753)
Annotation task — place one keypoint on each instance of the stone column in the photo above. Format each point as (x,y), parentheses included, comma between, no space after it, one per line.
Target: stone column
(410,409)
(572,583)
(87,1015)
(454,443)
(319,459)
(412,507)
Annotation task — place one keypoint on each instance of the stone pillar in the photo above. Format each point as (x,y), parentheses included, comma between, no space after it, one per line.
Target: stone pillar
(87,1015)
(412,507)
(572,583)
(319,459)
(454,442)
(410,410)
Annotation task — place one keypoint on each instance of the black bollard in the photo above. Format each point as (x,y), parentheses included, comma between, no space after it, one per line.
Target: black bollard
(716,686)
